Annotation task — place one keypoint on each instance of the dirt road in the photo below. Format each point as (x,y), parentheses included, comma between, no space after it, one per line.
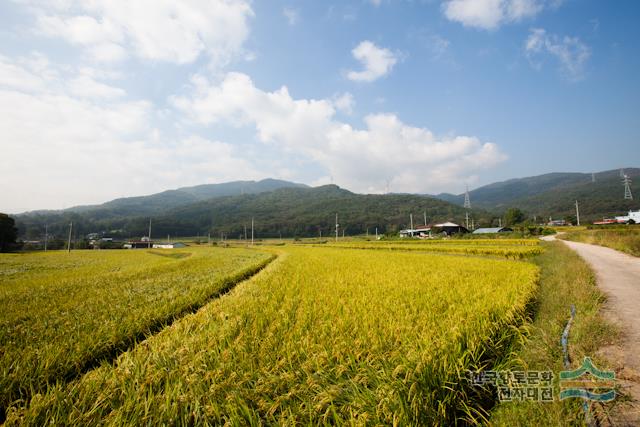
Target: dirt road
(618,276)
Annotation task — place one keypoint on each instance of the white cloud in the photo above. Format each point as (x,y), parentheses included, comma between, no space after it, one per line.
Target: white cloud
(376,3)
(377,62)
(161,30)
(571,53)
(292,15)
(86,86)
(385,150)
(344,103)
(70,139)
(490,14)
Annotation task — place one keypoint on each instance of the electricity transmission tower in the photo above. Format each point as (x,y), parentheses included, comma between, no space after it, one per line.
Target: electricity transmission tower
(627,188)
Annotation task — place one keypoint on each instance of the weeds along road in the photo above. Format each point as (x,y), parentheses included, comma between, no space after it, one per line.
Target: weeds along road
(618,275)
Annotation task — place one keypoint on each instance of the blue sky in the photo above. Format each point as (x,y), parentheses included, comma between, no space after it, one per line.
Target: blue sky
(102,99)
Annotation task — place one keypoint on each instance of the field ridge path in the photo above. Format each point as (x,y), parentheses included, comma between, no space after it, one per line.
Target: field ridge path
(618,276)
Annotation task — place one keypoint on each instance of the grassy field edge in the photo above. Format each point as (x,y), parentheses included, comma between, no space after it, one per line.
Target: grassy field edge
(565,279)
(627,241)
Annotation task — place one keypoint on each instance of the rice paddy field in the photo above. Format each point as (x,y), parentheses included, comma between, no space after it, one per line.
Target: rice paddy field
(64,313)
(329,334)
(508,248)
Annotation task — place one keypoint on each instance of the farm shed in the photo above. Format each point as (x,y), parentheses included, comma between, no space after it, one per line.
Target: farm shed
(493,230)
(420,231)
(449,228)
(137,245)
(165,245)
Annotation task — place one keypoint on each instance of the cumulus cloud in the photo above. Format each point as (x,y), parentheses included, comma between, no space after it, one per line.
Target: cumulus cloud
(161,30)
(376,62)
(385,152)
(490,14)
(71,138)
(570,52)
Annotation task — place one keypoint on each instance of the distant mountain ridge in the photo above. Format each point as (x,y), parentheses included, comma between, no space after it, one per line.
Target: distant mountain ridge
(291,209)
(288,211)
(555,194)
(169,199)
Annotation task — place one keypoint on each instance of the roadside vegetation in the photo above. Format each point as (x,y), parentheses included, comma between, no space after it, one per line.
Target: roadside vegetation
(323,335)
(565,279)
(63,313)
(622,239)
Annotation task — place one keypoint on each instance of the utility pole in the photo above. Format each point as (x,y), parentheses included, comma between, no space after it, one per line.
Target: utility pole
(209,239)
(69,242)
(46,236)
(467,201)
(577,213)
(149,242)
(245,232)
(500,222)
(337,225)
(425,218)
(376,233)
(411,219)
(251,231)
(467,205)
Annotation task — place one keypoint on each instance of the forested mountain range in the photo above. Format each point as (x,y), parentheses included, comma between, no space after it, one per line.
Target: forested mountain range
(290,209)
(287,211)
(555,194)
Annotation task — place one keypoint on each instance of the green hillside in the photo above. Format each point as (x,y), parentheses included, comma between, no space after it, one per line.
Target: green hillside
(166,200)
(555,194)
(286,211)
